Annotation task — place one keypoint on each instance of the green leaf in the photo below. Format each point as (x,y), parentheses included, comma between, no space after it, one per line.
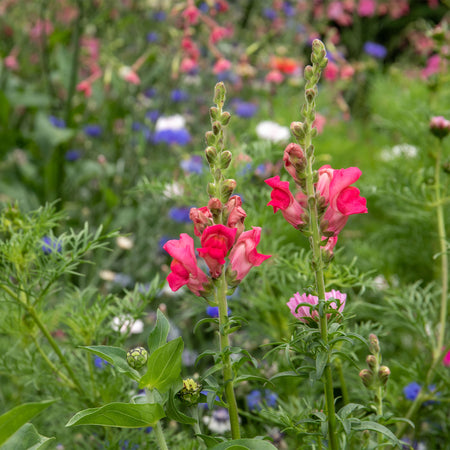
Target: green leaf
(27,438)
(47,136)
(209,441)
(348,409)
(116,356)
(158,335)
(250,444)
(289,373)
(15,418)
(321,363)
(249,377)
(164,366)
(174,413)
(374,426)
(122,415)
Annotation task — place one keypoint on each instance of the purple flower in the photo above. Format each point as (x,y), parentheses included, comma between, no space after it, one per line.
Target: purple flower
(269,13)
(72,155)
(203,7)
(177,95)
(180,215)
(50,245)
(288,9)
(378,51)
(213,311)
(245,110)
(192,165)
(412,390)
(153,36)
(153,115)
(92,130)
(100,363)
(159,16)
(57,122)
(180,136)
(256,398)
(150,92)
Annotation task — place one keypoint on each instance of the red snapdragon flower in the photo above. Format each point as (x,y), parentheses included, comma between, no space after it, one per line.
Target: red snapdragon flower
(185,270)
(243,255)
(283,200)
(216,242)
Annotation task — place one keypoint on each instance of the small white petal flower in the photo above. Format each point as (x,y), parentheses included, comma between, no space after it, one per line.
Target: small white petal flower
(124,242)
(175,122)
(126,324)
(272,131)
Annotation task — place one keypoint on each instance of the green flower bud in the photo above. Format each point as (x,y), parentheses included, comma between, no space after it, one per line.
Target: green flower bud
(372,362)
(297,130)
(216,127)
(225,159)
(366,376)
(219,94)
(228,187)
(374,345)
(383,374)
(190,393)
(214,113)
(210,138)
(211,155)
(137,357)
(225,118)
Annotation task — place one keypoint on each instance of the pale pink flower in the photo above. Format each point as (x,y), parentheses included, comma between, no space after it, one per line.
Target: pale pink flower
(188,65)
(319,123)
(236,214)
(11,62)
(221,65)
(85,87)
(347,72)
(302,313)
(202,218)
(331,72)
(366,8)
(129,75)
(275,77)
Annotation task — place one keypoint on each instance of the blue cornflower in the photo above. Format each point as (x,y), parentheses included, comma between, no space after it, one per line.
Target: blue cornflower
(147,133)
(180,136)
(213,311)
(159,16)
(271,398)
(153,36)
(180,215)
(245,110)
(256,398)
(288,9)
(57,122)
(150,92)
(136,126)
(177,95)
(92,130)
(412,390)
(100,363)
(72,155)
(153,115)
(162,241)
(203,7)
(269,13)
(192,165)
(378,51)
(50,245)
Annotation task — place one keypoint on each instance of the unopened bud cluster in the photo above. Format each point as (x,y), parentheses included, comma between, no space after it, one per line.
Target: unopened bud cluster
(376,375)
(218,158)
(137,357)
(190,393)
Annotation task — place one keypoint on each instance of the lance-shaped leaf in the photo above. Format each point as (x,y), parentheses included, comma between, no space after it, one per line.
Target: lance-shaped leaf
(15,418)
(116,356)
(158,335)
(249,444)
(163,366)
(27,438)
(122,415)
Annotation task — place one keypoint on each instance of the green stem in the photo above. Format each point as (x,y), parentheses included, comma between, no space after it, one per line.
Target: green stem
(443,251)
(344,390)
(315,241)
(221,298)
(157,428)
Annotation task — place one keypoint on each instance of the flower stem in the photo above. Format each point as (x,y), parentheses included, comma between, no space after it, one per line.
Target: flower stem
(317,263)
(221,298)
(157,428)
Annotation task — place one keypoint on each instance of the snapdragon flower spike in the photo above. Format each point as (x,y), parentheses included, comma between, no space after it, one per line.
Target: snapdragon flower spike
(244,256)
(216,241)
(283,200)
(185,270)
(302,313)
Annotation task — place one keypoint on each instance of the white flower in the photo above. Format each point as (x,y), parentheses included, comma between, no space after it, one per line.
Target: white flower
(126,324)
(124,242)
(272,131)
(399,151)
(219,422)
(173,190)
(175,122)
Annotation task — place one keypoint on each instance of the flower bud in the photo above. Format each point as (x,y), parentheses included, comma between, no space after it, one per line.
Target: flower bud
(214,113)
(210,138)
(137,357)
(374,345)
(211,155)
(215,206)
(310,94)
(383,374)
(372,362)
(294,161)
(211,189)
(228,186)
(366,376)
(225,159)
(219,94)
(216,127)
(225,118)
(318,52)
(440,126)
(308,73)
(297,130)
(190,393)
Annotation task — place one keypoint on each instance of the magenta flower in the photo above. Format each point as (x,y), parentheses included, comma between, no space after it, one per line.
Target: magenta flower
(243,255)
(302,313)
(216,241)
(202,217)
(185,270)
(236,214)
(342,199)
(283,200)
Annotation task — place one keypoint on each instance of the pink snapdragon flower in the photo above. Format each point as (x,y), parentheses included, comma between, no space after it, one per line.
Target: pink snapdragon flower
(331,72)
(342,199)
(185,270)
(243,255)
(367,8)
(283,200)
(216,242)
(236,214)
(191,14)
(275,77)
(188,65)
(218,33)
(129,75)
(294,159)
(221,65)
(302,313)
(202,218)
